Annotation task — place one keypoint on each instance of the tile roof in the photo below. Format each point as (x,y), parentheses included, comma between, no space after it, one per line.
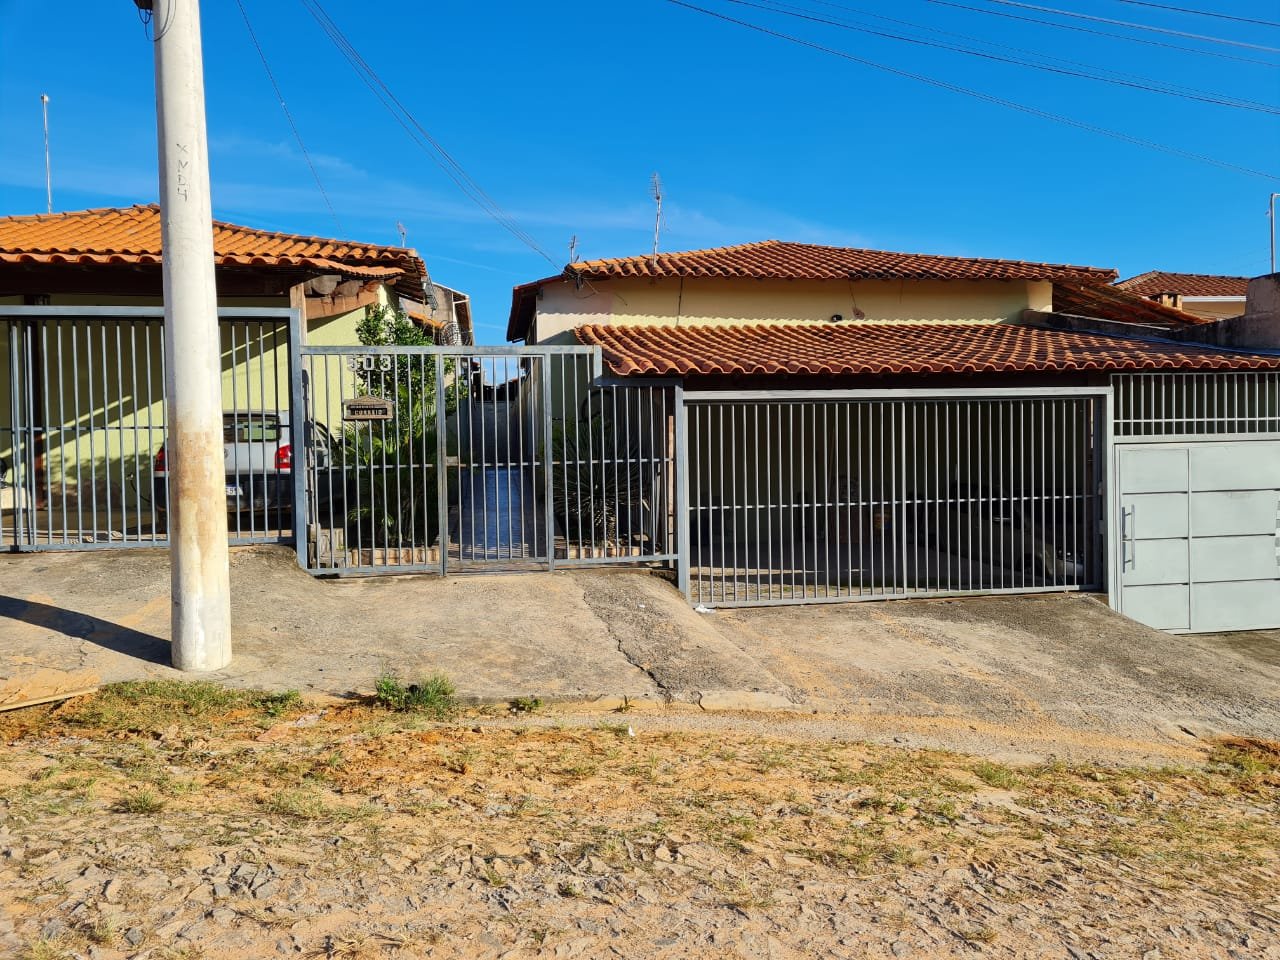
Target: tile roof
(131,235)
(1118,305)
(779,260)
(1155,282)
(879,349)
(782,260)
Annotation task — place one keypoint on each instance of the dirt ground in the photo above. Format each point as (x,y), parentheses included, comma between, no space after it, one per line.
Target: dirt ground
(1015,678)
(163,821)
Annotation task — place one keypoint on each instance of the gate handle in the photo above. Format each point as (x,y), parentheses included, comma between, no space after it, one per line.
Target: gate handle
(1128,523)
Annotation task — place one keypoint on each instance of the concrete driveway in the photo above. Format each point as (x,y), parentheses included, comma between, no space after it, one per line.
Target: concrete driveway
(1017,676)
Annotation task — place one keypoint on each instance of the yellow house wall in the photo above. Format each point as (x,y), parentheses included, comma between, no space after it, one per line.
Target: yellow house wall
(725,301)
(1213,309)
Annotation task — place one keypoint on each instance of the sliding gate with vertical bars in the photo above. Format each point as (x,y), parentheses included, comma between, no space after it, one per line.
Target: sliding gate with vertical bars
(446,459)
(82,426)
(801,497)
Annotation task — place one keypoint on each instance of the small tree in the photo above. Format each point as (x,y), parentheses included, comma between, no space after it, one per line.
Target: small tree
(392,466)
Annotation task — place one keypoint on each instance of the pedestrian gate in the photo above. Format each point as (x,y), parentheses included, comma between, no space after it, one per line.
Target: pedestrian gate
(467,458)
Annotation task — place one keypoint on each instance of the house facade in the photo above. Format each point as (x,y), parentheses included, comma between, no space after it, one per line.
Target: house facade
(865,424)
(81,346)
(778,282)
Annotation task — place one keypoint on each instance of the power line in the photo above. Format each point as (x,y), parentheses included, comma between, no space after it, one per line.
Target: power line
(1201,13)
(857,11)
(419,134)
(1218,54)
(1136,26)
(1151,86)
(979,95)
(315,174)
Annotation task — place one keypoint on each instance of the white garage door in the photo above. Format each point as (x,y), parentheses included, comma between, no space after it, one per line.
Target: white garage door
(1198,535)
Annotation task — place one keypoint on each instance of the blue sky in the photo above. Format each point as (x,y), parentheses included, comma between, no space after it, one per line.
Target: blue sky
(561,111)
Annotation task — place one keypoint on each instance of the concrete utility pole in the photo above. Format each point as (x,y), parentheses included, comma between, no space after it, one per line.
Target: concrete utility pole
(201,587)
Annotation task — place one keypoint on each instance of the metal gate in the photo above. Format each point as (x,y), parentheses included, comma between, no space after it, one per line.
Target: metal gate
(82,426)
(448,459)
(824,496)
(1197,481)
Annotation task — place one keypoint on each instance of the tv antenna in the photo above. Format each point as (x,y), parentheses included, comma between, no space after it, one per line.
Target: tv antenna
(573,249)
(403,234)
(48,176)
(655,182)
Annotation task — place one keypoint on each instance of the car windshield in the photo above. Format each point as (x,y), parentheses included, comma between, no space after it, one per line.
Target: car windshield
(251,428)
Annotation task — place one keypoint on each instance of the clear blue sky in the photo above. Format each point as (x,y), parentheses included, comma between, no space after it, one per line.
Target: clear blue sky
(561,111)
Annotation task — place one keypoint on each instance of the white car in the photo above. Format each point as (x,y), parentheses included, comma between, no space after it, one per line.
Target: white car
(257,452)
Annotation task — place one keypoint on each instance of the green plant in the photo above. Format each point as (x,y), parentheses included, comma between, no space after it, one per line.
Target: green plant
(434,696)
(526,704)
(995,775)
(159,703)
(140,801)
(387,504)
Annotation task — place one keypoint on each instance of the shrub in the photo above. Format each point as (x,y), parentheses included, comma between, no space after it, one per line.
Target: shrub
(433,696)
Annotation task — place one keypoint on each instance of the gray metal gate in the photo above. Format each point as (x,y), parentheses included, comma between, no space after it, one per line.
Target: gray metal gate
(82,426)
(1197,500)
(823,496)
(439,459)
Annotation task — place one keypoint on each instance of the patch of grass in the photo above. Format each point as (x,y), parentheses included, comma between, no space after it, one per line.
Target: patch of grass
(526,704)
(460,762)
(104,931)
(1251,761)
(568,890)
(141,802)
(311,805)
(434,696)
(157,704)
(43,949)
(996,775)
(978,935)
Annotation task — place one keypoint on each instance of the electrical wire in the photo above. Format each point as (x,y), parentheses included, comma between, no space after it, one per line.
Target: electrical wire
(315,174)
(419,134)
(1150,86)
(1217,54)
(857,11)
(979,95)
(1135,26)
(1201,13)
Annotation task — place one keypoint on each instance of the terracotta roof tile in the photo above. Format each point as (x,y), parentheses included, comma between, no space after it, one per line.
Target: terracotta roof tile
(778,260)
(131,235)
(884,349)
(1118,305)
(1155,282)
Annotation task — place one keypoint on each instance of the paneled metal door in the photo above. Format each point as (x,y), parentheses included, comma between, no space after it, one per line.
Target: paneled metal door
(1199,533)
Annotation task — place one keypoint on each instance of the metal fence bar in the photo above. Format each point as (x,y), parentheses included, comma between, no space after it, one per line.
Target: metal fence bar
(1186,405)
(87,447)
